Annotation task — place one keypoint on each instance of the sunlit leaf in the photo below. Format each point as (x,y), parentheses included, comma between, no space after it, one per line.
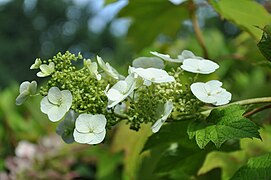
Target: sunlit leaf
(244,13)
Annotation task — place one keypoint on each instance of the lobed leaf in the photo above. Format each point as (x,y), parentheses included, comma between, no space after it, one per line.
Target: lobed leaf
(222,125)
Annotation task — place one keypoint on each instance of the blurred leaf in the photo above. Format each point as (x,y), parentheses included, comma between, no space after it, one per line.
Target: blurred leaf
(228,162)
(245,13)
(151,18)
(222,125)
(265,43)
(172,154)
(131,142)
(256,168)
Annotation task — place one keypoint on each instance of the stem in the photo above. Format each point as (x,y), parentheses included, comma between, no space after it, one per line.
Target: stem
(256,110)
(242,102)
(197,29)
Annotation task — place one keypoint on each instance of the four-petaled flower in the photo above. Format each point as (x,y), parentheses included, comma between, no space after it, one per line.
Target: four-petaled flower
(121,90)
(56,103)
(26,89)
(46,70)
(109,70)
(37,64)
(211,92)
(165,112)
(90,129)
(201,66)
(92,68)
(151,75)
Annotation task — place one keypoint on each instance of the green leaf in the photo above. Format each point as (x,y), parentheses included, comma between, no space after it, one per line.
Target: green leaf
(229,163)
(222,125)
(151,18)
(256,168)
(244,13)
(265,43)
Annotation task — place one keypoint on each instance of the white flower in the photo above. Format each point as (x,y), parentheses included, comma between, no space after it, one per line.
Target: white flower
(25,149)
(26,89)
(37,64)
(121,90)
(109,70)
(211,92)
(46,70)
(93,68)
(151,75)
(201,66)
(165,112)
(166,57)
(56,103)
(90,129)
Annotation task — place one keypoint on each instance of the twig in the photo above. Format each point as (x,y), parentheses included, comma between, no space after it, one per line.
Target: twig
(196,27)
(256,110)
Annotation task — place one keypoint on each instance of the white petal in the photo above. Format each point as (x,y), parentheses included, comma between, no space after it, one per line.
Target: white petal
(22,97)
(45,105)
(214,84)
(56,113)
(157,125)
(82,137)
(121,86)
(223,98)
(97,123)
(168,107)
(54,95)
(201,66)
(98,138)
(114,95)
(41,74)
(166,57)
(67,98)
(147,62)
(82,123)
(24,86)
(200,91)
(33,87)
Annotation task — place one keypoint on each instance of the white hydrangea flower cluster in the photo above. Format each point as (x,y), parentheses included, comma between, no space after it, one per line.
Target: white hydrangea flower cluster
(209,92)
(86,128)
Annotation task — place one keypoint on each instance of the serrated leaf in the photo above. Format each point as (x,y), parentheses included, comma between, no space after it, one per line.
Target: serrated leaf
(256,168)
(244,13)
(222,125)
(265,43)
(151,18)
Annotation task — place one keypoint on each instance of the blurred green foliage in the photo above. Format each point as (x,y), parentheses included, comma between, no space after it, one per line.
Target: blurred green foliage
(161,26)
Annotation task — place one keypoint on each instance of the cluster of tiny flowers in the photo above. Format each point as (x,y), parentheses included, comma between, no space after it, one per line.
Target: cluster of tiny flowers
(95,97)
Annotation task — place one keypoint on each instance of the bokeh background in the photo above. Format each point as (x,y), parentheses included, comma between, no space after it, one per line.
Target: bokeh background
(118,31)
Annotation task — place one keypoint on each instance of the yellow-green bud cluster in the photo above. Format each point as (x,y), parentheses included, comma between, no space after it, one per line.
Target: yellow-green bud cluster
(88,93)
(143,107)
